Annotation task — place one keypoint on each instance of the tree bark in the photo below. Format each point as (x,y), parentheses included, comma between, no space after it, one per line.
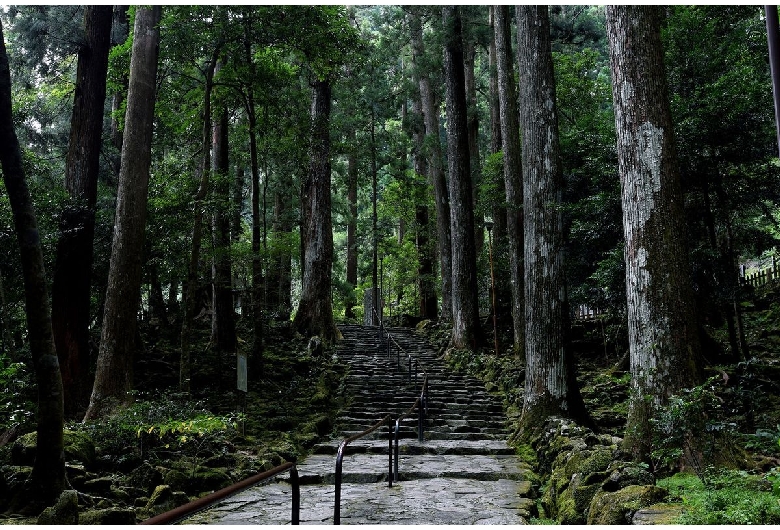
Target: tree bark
(663,339)
(73,267)
(466,331)
(223,332)
(120,29)
(550,385)
(469,58)
(513,182)
(352,251)
(114,374)
(47,480)
(436,174)
(315,310)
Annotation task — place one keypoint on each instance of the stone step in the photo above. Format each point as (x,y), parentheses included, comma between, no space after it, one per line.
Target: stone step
(436,447)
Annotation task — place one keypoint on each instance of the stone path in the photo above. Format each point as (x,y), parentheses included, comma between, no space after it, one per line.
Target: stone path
(462,473)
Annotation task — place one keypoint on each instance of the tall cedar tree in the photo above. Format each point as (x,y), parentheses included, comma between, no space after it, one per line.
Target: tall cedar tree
(114,374)
(73,268)
(662,331)
(513,182)
(48,474)
(550,384)
(436,175)
(466,331)
(315,310)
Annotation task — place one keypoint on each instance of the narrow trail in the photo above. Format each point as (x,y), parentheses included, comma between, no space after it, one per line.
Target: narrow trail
(462,473)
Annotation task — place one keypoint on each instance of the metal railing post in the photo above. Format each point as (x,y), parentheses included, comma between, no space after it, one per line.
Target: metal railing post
(395,462)
(337,502)
(296,495)
(390,453)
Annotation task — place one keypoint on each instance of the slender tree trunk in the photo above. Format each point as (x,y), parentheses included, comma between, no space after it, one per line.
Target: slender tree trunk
(190,299)
(550,384)
(466,331)
(469,57)
(352,251)
(513,182)
(73,268)
(436,174)
(315,310)
(663,338)
(48,475)
(120,29)
(503,294)
(114,375)
(223,333)
(281,259)
(426,275)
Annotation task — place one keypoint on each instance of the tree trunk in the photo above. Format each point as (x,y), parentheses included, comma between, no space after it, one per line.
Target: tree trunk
(120,29)
(426,275)
(550,384)
(223,332)
(466,331)
(315,310)
(190,297)
(114,374)
(73,268)
(48,475)
(352,251)
(513,183)
(436,175)
(663,340)
(469,56)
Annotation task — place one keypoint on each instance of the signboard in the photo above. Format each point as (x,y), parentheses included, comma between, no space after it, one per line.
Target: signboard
(241,371)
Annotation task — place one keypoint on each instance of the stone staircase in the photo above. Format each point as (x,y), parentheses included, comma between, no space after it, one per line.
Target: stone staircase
(463,472)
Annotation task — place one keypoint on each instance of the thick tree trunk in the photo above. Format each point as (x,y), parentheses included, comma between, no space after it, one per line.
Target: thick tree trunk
(73,268)
(466,331)
(48,475)
(513,182)
(315,310)
(190,297)
(436,174)
(663,338)
(550,385)
(352,251)
(223,330)
(114,375)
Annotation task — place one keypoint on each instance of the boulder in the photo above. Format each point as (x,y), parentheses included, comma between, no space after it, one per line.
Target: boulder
(145,477)
(664,514)
(619,507)
(78,448)
(108,516)
(64,512)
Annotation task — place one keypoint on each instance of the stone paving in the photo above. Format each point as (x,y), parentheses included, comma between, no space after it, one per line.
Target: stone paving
(462,473)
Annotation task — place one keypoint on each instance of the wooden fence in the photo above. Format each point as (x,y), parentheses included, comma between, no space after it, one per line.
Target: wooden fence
(761,276)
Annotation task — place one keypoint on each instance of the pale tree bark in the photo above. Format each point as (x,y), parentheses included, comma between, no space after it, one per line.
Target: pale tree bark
(436,174)
(662,331)
(315,310)
(48,475)
(513,182)
(73,267)
(426,274)
(466,332)
(352,251)
(114,373)
(550,385)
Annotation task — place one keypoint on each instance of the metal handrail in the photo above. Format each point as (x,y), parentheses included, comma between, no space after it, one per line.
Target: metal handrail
(422,410)
(198,504)
(340,457)
(398,357)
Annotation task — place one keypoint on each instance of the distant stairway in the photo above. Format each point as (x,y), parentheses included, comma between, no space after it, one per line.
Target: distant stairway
(463,472)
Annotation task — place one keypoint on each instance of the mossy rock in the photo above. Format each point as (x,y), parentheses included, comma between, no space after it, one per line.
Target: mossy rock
(623,474)
(64,512)
(145,477)
(663,514)
(77,445)
(618,507)
(112,516)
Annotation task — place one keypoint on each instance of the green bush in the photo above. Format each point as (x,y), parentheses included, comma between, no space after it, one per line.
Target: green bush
(731,497)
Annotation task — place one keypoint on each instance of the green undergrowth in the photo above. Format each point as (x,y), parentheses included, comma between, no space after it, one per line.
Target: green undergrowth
(731,497)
